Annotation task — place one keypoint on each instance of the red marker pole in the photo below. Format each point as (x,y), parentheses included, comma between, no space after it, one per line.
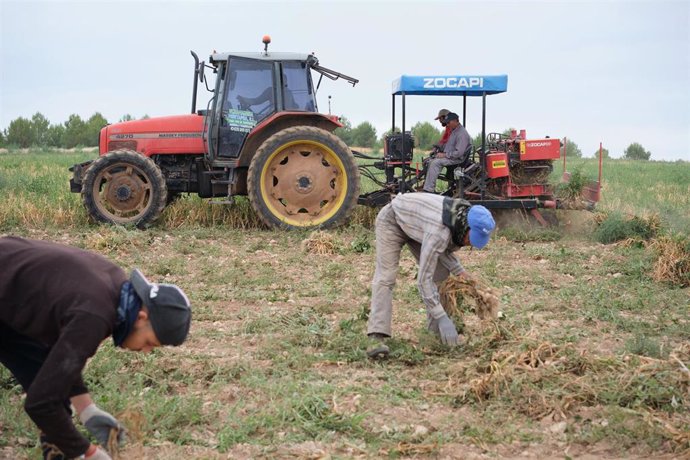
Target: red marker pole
(601,156)
(565,151)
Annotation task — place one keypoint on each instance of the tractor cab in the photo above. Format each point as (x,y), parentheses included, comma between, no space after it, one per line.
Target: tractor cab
(250,89)
(253,90)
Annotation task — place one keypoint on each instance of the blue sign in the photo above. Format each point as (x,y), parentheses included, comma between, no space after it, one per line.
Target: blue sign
(450,85)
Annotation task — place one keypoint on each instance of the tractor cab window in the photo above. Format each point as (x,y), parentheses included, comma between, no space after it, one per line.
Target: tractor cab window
(250,92)
(249,97)
(297,87)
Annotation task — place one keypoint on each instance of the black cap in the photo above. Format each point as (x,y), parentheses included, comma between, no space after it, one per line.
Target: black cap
(442,113)
(168,307)
(452,116)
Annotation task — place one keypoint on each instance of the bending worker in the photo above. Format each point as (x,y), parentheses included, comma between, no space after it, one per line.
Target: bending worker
(57,304)
(433,227)
(455,152)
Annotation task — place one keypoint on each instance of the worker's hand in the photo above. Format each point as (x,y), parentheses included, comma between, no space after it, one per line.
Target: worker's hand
(465,275)
(98,454)
(444,328)
(99,423)
(440,155)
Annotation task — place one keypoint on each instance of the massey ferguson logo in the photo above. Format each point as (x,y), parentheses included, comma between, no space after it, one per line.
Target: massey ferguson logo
(453,82)
(539,144)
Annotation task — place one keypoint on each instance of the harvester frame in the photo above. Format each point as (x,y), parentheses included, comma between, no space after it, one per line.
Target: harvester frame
(492,160)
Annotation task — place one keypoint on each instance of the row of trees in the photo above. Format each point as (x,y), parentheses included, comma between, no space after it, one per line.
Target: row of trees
(39,132)
(634,151)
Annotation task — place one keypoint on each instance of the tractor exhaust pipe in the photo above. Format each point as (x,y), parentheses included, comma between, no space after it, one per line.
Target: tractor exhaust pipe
(196,80)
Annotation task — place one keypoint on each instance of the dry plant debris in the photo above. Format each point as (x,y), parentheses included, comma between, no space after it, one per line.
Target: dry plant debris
(410,449)
(484,298)
(113,447)
(320,243)
(575,204)
(673,262)
(544,379)
(133,420)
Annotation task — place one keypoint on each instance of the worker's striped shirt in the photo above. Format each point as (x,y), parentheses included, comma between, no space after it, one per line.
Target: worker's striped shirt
(419,215)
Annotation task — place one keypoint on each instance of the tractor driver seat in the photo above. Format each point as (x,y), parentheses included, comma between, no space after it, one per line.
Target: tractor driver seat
(449,175)
(467,171)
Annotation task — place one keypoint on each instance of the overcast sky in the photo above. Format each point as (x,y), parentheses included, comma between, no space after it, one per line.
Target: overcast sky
(616,72)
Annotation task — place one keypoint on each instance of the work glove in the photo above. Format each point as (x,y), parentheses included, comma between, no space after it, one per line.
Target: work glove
(444,328)
(99,423)
(464,275)
(99,454)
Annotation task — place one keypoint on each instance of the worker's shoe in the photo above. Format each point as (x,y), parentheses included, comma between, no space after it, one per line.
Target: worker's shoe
(376,346)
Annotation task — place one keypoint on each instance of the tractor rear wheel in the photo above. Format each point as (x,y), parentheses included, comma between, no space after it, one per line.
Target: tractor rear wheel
(303,177)
(124,187)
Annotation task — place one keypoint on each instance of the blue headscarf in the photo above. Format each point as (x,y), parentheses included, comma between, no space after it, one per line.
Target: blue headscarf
(127,311)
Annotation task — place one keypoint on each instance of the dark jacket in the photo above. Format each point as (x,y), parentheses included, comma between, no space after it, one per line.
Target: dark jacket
(64,298)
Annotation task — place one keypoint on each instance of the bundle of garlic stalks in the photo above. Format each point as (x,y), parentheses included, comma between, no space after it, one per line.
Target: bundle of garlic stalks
(320,243)
(482,298)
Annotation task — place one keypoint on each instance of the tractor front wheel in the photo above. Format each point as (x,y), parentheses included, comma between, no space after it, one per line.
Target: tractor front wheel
(124,187)
(303,177)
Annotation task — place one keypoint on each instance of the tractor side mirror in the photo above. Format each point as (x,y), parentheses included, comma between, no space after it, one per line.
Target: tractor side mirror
(201,72)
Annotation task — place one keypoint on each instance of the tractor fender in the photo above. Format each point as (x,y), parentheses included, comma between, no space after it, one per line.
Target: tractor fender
(279,122)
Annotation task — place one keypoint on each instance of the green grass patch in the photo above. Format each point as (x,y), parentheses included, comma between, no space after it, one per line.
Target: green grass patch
(275,367)
(616,227)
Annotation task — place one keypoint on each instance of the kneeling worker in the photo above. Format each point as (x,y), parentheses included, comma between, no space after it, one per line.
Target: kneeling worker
(455,152)
(433,227)
(57,304)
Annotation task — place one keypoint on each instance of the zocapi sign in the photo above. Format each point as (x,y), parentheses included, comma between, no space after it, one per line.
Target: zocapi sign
(453,82)
(450,84)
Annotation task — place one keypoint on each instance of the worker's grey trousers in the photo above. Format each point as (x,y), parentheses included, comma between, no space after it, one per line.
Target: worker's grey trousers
(435,167)
(390,240)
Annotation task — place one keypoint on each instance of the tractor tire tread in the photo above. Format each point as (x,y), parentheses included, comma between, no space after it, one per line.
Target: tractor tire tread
(152,171)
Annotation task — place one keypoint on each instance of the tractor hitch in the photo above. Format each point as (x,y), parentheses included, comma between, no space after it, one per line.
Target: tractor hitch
(78,171)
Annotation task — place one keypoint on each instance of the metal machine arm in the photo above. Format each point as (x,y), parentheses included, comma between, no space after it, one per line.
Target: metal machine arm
(333,75)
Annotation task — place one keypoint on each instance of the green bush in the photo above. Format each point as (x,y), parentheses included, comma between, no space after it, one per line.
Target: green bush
(617,228)
(572,189)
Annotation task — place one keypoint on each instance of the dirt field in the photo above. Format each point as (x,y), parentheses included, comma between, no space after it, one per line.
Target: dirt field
(587,362)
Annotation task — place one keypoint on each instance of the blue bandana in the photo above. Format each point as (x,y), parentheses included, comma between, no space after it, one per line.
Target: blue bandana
(127,312)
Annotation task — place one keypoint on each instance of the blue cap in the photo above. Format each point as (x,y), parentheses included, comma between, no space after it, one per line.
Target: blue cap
(481,224)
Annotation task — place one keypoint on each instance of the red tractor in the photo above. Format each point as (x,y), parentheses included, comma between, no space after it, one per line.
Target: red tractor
(261,135)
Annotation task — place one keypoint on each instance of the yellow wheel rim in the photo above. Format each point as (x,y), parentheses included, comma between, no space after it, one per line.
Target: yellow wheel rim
(303,183)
